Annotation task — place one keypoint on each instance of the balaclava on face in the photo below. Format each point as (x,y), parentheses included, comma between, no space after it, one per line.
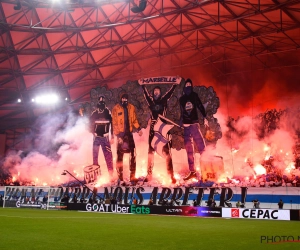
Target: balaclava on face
(101,103)
(188,89)
(156,95)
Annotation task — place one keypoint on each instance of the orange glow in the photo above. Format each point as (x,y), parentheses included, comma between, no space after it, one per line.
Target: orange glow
(290,167)
(259,169)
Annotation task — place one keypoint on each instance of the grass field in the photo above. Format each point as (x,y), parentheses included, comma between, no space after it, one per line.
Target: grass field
(40,229)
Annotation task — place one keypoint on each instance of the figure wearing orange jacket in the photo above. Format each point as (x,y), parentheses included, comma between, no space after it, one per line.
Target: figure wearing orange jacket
(123,120)
(118,118)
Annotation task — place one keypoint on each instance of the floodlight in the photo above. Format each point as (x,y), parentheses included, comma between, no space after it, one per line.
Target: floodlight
(47,99)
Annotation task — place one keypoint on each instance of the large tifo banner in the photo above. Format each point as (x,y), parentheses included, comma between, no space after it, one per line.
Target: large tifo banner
(166,201)
(33,197)
(184,196)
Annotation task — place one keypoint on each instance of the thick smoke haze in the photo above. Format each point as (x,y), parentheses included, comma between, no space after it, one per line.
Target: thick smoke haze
(65,143)
(62,141)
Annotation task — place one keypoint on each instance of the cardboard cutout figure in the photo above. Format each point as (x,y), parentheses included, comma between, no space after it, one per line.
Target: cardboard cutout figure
(189,102)
(124,119)
(158,106)
(101,121)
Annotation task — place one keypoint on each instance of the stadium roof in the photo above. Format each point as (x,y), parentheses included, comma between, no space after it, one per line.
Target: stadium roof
(72,46)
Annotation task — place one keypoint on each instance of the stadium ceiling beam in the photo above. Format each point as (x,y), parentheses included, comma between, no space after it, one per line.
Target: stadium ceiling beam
(37,51)
(17,78)
(65,4)
(245,15)
(283,8)
(247,28)
(78,99)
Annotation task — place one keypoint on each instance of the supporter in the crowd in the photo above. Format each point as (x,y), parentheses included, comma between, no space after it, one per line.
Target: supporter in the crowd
(32,200)
(74,198)
(209,202)
(280,204)
(150,203)
(65,199)
(135,201)
(113,201)
(107,201)
(213,203)
(256,203)
(45,199)
(119,200)
(277,182)
(172,202)
(238,204)
(194,203)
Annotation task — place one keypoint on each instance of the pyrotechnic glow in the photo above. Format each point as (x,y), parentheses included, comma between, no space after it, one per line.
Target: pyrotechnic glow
(290,167)
(222,179)
(177,176)
(235,181)
(78,145)
(267,157)
(259,169)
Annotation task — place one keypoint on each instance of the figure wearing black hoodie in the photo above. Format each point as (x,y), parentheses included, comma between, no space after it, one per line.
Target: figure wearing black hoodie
(100,122)
(189,102)
(158,106)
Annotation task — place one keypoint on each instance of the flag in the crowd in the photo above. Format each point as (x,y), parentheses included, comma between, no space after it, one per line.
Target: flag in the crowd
(160,136)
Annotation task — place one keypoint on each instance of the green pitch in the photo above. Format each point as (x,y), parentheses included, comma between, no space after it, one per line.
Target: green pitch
(39,229)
